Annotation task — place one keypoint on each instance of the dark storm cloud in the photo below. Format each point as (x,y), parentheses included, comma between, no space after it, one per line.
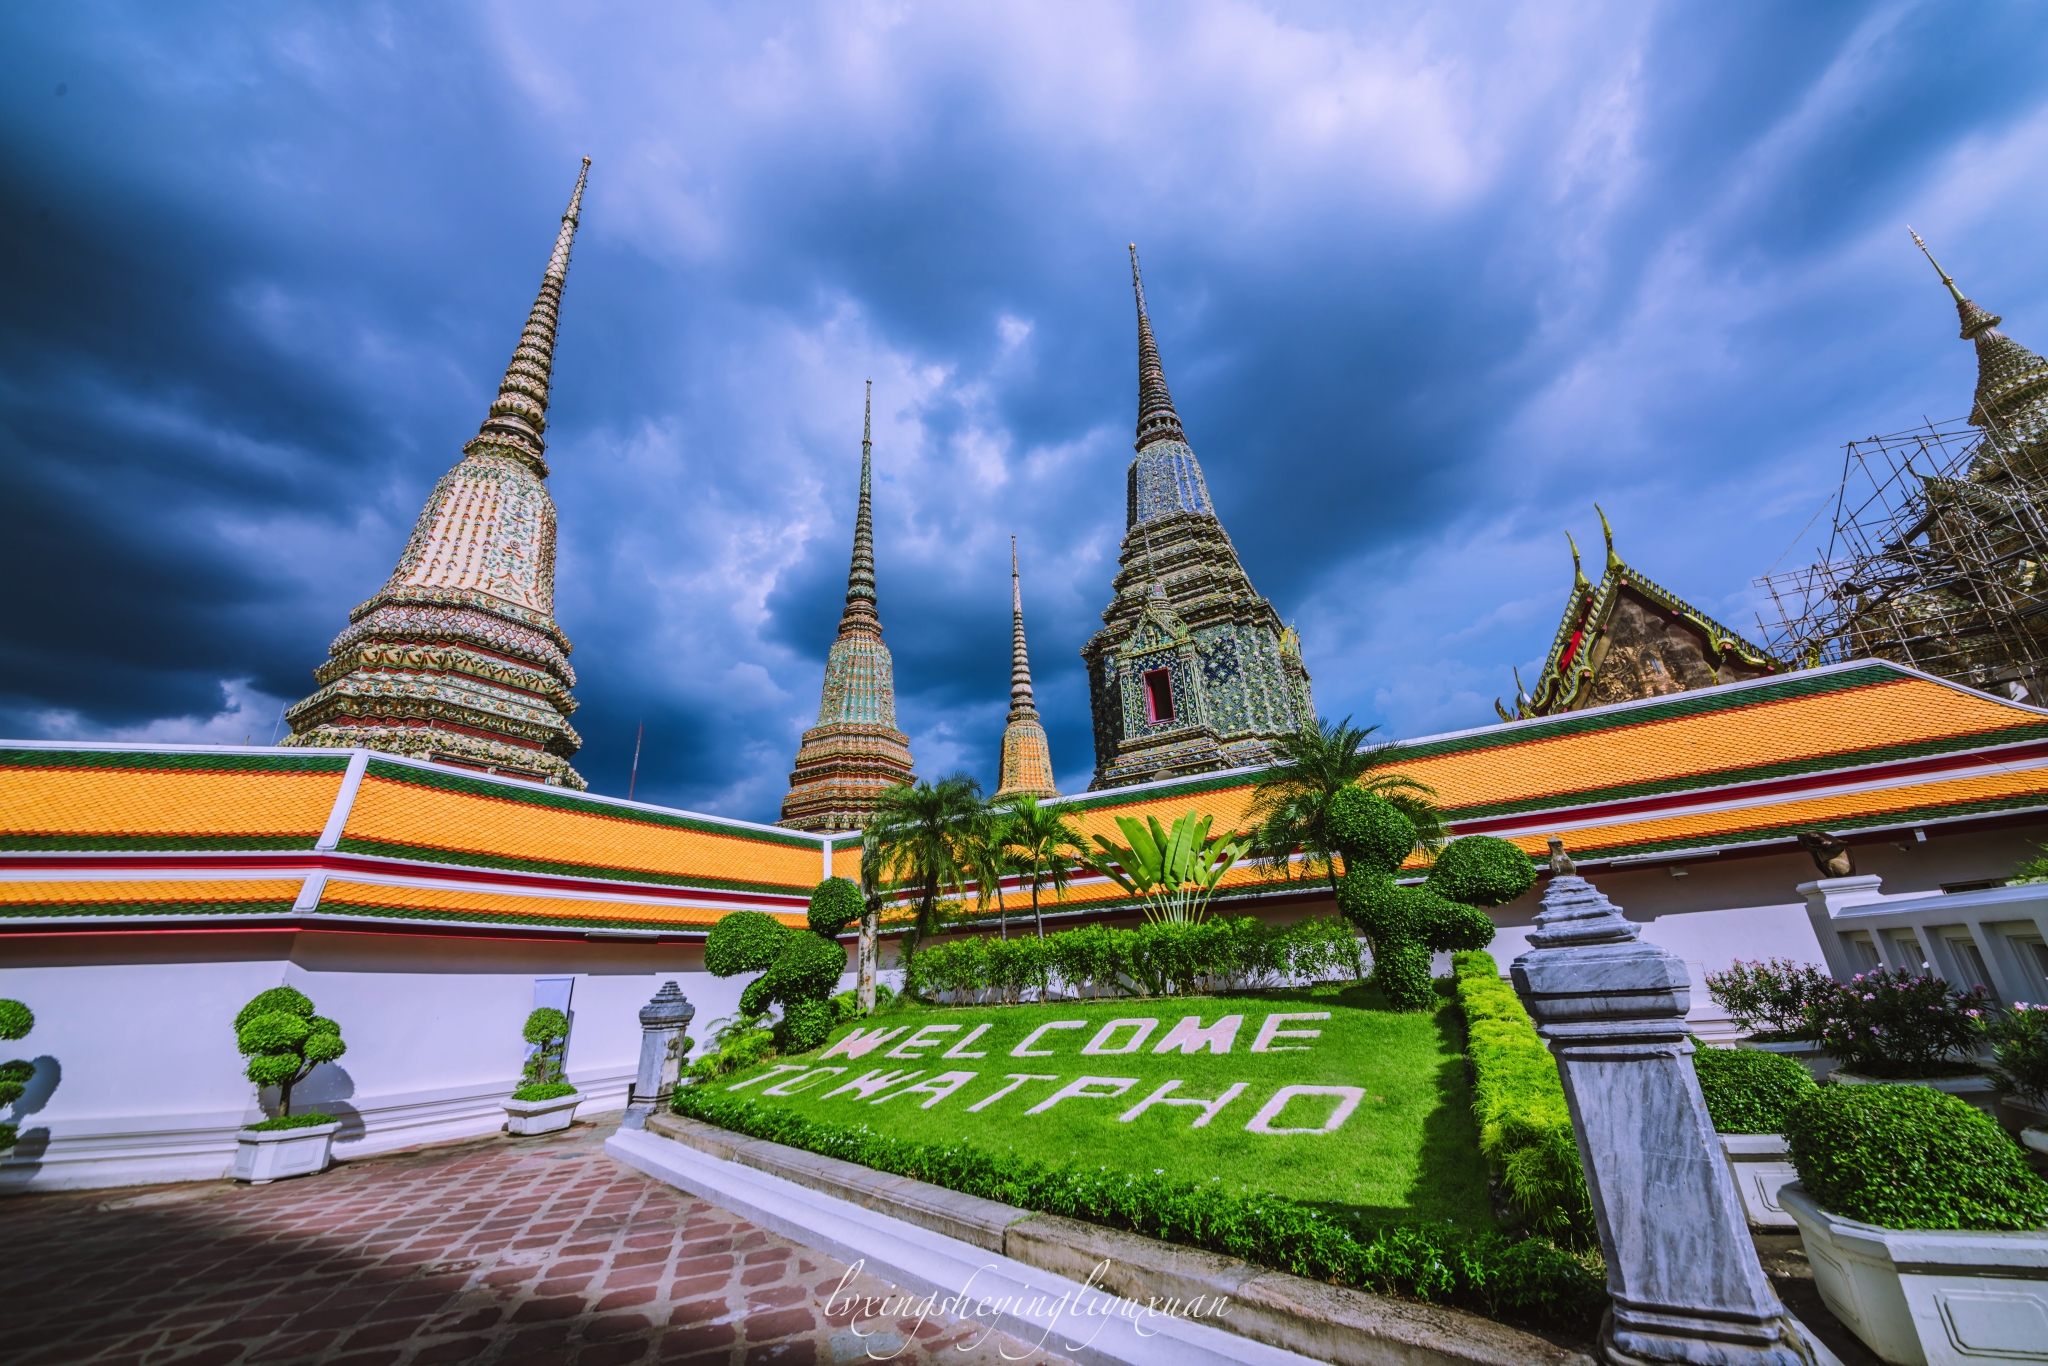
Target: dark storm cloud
(1427,284)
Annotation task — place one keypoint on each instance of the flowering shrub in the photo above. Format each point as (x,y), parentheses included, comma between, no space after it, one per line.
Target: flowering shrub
(1891,1023)
(1771,999)
(2019,1049)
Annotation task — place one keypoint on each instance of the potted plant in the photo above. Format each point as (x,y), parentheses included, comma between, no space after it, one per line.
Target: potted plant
(1889,1025)
(1774,1001)
(1923,1223)
(2019,1067)
(1747,1094)
(16,1020)
(543,1102)
(284,1039)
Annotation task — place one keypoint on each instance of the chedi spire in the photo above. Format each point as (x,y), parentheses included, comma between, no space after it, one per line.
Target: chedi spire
(2012,391)
(458,659)
(1027,757)
(855,752)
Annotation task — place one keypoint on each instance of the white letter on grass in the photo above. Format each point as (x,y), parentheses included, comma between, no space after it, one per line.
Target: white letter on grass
(1025,1050)
(918,1040)
(1078,1089)
(938,1088)
(956,1050)
(1016,1079)
(1189,1037)
(1262,1122)
(773,1071)
(858,1045)
(1271,1030)
(1207,1107)
(796,1084)
(1100,1043)
(868,1083)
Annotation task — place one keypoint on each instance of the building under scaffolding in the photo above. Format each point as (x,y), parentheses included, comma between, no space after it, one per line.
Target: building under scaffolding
(1938,556)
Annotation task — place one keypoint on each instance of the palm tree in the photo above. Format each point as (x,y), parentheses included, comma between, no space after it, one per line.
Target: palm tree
(985,854)
(1046,844)
(1291,800)
(917,832)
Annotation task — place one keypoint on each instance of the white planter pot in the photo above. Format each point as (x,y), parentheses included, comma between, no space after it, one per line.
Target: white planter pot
(2036,1139)
(528,1117)
(1929,1297)
(1761,1168)
(1975,1088)
(1806,1053)
(265,1155)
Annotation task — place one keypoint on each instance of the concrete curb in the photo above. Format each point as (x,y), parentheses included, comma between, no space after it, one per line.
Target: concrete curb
(1282,1314)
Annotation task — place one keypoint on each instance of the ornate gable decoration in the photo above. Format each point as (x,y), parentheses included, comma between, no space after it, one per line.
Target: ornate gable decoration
(1629,638)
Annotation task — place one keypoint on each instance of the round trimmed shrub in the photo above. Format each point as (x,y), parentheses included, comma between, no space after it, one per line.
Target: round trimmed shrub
(1749,1091)
(1911,1157)
(1371,831)
(745,941)
(16,1020)
(835,904)
(284,1040)
(1480,870)
(289,1000)
(809,968)
(805,1025)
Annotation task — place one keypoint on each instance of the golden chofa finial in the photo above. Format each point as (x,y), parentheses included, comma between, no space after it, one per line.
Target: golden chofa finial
(1613,560)
(1946,279)
(1578,570)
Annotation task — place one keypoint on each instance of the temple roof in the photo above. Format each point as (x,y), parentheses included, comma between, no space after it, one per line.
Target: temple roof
(1629,637)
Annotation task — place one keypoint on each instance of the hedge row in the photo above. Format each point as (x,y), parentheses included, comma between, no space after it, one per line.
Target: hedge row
(1529,1281)
(1151,960)
(1525,1130)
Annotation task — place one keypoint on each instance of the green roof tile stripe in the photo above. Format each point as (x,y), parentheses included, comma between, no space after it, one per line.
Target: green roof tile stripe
(1763,834)
(562,801)
(31,910)
(285,761)
(581,922)
(1843,760)
(16,843)
(471,859)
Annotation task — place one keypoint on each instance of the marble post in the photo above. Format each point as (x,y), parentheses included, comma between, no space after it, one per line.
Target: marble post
(1682,1271)
(662,1022)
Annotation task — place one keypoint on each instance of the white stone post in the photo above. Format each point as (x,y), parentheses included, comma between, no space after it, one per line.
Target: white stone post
(1681,1269)
(662,1022)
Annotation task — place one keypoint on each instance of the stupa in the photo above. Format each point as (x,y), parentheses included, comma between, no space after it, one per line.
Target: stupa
(1027,758)
(855,752)
(1192,670)
(2011,402)
(458,657)
(1629,638)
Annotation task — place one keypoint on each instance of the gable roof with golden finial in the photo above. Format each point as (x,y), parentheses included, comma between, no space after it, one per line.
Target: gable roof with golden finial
(1579,649)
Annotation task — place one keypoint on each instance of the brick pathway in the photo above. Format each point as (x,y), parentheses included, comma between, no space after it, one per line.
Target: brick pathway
(506,1251)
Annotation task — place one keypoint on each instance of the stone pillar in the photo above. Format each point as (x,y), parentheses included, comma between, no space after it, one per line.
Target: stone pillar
(662,1022)
(1681,1268)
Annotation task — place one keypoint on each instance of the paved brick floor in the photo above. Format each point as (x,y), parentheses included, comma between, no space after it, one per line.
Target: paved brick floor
(502,1251)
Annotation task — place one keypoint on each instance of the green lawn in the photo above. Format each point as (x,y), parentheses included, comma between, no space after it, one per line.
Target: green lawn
(1391,1140)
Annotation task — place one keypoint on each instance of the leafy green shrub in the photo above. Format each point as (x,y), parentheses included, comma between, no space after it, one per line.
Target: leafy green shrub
(1747,1091)
(277,1122)
(835,903)
(846,1005)
(1780,995)
(1405,925)
(16,1020)
(1911,1157)
(1529,1281)
(543,1090)
(547,1029)
(1480,870)
(737,1042)
(284,1040)
(1525,1128)
(1891,1023)
(798,969)
(2019,1050)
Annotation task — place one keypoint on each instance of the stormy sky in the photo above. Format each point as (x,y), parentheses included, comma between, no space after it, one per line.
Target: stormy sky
(1429,281)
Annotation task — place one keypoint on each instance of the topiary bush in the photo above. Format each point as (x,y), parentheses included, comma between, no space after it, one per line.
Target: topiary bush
(1911,1157)
(284,1040)
(16,1020)
(1747,1091)
(1405,925)
(835,904)
(798,970)
(2019,1051)
(547,1029)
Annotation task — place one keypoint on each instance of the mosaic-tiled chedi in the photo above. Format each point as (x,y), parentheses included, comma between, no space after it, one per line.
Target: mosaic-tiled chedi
(1027,758)
(1192,669)
(458,658)
(855,752)
(1628,638)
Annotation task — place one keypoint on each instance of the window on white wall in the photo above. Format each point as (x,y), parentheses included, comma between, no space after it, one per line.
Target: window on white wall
(1863,953)
(1971,961)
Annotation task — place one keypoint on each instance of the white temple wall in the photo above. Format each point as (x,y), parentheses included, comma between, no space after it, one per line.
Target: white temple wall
(138,1079)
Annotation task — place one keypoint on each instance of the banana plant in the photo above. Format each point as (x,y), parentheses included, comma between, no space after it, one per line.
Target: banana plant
(1174,871)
